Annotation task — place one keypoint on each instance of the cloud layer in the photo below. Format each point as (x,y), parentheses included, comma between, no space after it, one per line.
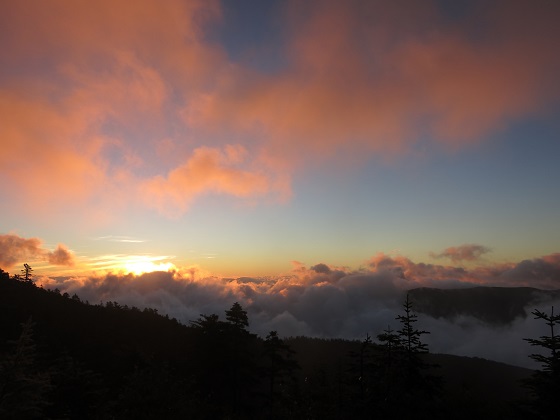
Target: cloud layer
(328,301)
(104,104)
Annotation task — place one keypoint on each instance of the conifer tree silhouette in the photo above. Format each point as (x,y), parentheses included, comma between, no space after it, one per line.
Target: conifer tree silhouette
(545,383)
(405,381)
(27,273)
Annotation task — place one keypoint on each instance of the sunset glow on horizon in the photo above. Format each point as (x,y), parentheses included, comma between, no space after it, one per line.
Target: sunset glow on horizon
(261,139)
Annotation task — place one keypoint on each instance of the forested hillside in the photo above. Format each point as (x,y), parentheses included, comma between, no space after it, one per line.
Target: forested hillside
(64,358)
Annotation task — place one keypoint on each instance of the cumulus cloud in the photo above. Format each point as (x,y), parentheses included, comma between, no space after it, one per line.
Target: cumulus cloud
(15,249)
(61,256)
(466,252)
(327,301)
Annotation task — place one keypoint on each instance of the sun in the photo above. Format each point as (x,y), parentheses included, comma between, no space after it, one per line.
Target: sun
(141,265)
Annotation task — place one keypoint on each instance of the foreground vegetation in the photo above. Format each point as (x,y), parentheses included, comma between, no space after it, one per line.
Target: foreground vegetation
(64,358)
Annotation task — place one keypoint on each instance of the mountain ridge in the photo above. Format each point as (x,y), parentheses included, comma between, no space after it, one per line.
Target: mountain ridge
(490,304)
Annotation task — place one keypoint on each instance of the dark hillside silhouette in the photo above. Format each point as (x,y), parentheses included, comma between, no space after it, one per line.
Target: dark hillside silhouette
(65,358)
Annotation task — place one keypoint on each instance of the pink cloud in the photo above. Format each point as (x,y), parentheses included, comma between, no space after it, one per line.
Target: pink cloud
(385,78)
(61,256)
(94,98)
(466,252)
(101,100)
(208,170)
(15,249)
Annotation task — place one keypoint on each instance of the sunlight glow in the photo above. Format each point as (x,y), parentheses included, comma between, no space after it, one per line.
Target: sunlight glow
(133,264)
(146,265)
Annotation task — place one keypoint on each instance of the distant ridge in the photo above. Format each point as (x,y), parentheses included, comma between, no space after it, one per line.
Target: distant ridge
(493,305)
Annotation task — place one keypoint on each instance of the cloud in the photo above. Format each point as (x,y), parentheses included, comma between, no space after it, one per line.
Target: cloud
(119,238)
(15,249)
(541,272)
(208,170)
(466,252)
(392,75)
(101,102)
(87,93)
(61,256)
(321,268)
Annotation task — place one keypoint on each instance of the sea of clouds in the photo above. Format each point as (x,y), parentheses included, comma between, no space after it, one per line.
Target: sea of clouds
(334,302)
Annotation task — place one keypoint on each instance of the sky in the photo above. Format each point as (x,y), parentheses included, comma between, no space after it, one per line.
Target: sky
(276,140)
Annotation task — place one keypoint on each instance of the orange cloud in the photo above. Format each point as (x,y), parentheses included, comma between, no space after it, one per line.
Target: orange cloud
(61,256)
(86,92)
(389,76)
(207,170)
(102,99)
(15,249)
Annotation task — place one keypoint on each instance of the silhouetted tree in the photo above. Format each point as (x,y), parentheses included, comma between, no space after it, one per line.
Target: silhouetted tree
(545,383)
(27,273)
(208,324)
(409,336)
(408,387)
(4,275)
(237,316)
(241,355)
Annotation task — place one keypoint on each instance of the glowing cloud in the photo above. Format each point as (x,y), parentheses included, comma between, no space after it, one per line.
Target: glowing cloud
(15,249)
(100,98)
(61,256)
(208,170)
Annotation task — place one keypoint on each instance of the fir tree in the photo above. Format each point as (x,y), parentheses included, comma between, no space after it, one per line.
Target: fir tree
(406,384)
(409,337)
(545,383)
(237,316)
(27,273)
(241,361)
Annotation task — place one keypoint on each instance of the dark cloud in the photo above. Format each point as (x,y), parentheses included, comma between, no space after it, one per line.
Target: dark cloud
(466,252)
(321,268)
